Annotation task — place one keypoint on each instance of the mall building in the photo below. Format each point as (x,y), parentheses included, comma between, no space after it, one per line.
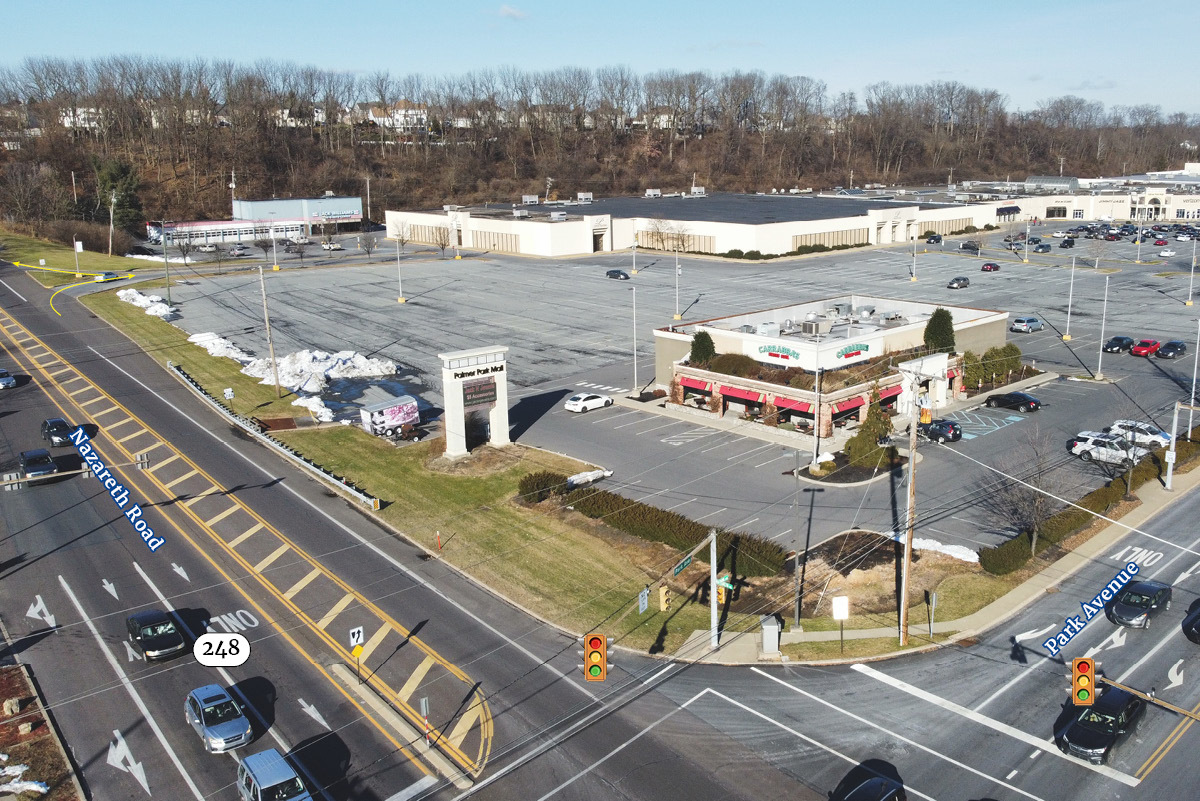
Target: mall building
(826,337)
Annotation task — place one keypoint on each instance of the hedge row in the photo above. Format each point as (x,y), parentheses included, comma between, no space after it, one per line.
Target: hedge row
(744,554)
(538,486)
(754,255)
(1013,555)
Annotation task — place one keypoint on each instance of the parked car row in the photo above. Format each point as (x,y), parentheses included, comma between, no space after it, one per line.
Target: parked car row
(1124,443)
(1171,349)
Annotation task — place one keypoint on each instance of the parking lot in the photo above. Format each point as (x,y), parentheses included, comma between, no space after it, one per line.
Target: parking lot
(569,328)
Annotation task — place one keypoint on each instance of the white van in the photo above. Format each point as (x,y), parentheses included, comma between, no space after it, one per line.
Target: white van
(266,776)
(300,239)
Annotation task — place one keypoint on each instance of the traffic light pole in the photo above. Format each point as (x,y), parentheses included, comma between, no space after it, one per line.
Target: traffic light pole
(713,637)
(1148,697)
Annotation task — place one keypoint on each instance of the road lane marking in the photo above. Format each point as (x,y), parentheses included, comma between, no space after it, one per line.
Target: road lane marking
(1165,747)
(130,436)
(15,292)
(1048,746)
(302,583)
(265,563)
(370,645)
(108,428)
(414,681)
(245,535)
(413,790)
(164,462)
(133,693)
(465,722)
(212,521)
(201,496)
(336,610)
(181,479)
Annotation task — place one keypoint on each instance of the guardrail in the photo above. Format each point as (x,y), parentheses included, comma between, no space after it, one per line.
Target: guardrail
(255,429)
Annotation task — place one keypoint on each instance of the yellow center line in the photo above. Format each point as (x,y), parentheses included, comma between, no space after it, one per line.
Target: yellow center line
(1166,745)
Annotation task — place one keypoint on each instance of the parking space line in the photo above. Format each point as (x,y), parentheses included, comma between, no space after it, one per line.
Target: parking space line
(275,554)
(681,503)
(752,450)
(299,585)
(710,514)
(776,459)
(336,610)
(618,416)
(627,425)
(656,428)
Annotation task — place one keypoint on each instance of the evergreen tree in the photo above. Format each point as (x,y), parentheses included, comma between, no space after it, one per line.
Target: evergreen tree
(939,332)
(117,176)
(703,349)
(863,447)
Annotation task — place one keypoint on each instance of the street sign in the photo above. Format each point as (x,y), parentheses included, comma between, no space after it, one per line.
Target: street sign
(643,601)
(1170,457)
(841,607)
(680,567)
(356,651)
(724,581)
(356,636)
(424,707)
(228,393)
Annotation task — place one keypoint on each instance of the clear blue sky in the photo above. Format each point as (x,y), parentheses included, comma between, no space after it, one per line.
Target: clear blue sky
(1029,51)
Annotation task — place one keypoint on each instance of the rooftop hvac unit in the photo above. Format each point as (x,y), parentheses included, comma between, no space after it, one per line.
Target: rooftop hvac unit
(328,193)
(788,325)
(653,193)
(842,309)
(768,329)
(584,197)
(748,329)
(529,200)
(815,327)
(698,191)
(451,208)
(520,213)
(558,216)
(865,311)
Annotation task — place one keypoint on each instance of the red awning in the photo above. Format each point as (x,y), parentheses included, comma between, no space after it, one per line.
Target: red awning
(743,394)
(890,391)
(794,405)
(694,383)
(853,403)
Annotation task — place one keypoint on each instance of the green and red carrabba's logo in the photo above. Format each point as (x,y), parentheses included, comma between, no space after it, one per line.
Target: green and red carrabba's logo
(856,349)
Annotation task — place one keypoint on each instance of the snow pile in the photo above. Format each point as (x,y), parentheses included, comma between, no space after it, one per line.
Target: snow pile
(153,304)
(16,784)
(309,370)
(317,406)
(954,551)
(170,259)
(219,346)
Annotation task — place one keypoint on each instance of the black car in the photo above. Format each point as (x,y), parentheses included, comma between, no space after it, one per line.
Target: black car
(1191,625)
(936,239)
(940,431)
(1138,603)
(1118,344)
(38,463)
(1067,243)
(1094,730)
(619,275)
(154,633)
(1013,400)
(58,431)
(1172,349)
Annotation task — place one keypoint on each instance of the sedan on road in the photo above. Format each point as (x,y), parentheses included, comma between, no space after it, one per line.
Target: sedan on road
(1013,400)
(1146,347)
(1118,344)
(57,431)
(1172,349)
(153,633)
(1093,731)
(1041,249)
(1160,242)
(6,380)
(217,718)
(1137,603)
(990,267)
(618,275)
(959,282)
(586,401)
(207,248)
(102,277)
(1191,625)
(936,239)
(940,431)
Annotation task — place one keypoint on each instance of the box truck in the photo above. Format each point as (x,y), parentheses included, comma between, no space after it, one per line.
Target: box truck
(387,418)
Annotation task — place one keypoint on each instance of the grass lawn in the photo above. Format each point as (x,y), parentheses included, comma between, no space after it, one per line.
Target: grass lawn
(29,251)
(812,651)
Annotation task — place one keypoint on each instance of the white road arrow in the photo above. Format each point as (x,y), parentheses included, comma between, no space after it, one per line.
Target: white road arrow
(108,585)
(1117,637)
(180,571)
(1191,571)
(1030,635)
(1175,675)
(133,655)
(120,758)
(38,611)
(312,712)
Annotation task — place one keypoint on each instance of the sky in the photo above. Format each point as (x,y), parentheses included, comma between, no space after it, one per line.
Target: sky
(1027,51)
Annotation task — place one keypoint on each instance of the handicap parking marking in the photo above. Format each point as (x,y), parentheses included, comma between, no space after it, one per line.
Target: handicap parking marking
(978,423)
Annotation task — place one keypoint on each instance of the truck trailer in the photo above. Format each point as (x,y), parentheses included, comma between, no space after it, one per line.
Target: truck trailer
(388,418)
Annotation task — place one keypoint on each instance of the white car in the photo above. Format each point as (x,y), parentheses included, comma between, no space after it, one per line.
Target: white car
(301,240)
(331,246)
(206,248)
(1184,238)
(1060,234)
(238,250)
(1140,433)
(586,401)
(6,380)
(1092,446)
(1166,253)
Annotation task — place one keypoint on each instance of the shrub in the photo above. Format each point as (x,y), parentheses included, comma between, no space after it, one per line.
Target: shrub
(973,371)
(703,349)
(738,364)
(733,254)
(538,486)
(753,254)
(1006,557)
(1012,357)
(94,236)
(970,229)
(990,227)
(929,233)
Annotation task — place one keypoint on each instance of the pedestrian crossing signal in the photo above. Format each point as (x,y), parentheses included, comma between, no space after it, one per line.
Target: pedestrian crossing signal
(1083,681)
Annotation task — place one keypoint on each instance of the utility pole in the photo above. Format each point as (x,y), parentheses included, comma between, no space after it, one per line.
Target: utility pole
(399,277)
(262,282)
(112,204)
(232,191)
(677,271)
(368,198)
(1195,364)
(162,230)
(796,564)
(74,194)
(1070,296)
(1061,159)
(912,510)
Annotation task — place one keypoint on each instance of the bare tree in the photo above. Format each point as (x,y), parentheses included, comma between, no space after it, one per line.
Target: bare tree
(185,247)
(1021,495)
(401,236)
(265,245)
(301,249)
(219,255)
(368,242)
(441,238)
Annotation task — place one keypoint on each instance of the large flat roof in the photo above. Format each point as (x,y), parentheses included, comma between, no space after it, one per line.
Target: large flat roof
(729,207)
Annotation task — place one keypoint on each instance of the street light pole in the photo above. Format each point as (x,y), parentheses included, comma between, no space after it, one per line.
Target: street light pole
(634,270)
(635,377)
(1027,241)
(1139,253)
(1103,316)
(1070,296)
(1193,275)
(1195,362)
(166,264)
(399,277)
(678,316)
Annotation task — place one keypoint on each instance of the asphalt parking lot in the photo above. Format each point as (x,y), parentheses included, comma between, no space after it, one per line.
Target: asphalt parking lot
(569,328)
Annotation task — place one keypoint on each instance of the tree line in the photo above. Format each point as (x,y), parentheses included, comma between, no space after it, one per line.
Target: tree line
(158,138)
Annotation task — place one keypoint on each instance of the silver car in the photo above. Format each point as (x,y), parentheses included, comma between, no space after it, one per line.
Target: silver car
(1137,603)
(6,380)
(1026,324)
(218,719)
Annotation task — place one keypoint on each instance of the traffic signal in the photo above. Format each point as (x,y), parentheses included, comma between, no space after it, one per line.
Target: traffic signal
(664,598)
(720,594)
(1083,681)
(595,657)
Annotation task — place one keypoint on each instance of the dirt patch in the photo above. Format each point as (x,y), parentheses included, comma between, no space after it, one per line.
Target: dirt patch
(277,423)
(846,473)
(483,461)
(37,749)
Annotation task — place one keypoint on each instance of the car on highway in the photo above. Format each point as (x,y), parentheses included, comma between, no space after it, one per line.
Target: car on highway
(586,401)
(6,380)
(1172,349)
(1096,446)
(219,720)
(1191,625)
(267,776)
(1146,347)
(959,282)
(989,267)
(1138,603)
(617,275)
(330,246)
(1020,401)
(154,634)
(1026,324)
(936,239)
(207,247)
(1094,731)
(940,431)
(1140,433)
(37,463)
(57,431)
(1067,243)
(102,277)
(1041,249)
(1118,344)
(1168,253)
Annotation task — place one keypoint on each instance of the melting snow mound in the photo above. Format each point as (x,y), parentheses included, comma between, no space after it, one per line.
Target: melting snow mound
(318,408)
(219,346)
(309,370)
(153,304)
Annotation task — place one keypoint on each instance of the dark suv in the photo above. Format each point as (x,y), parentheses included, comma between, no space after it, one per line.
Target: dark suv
(940,431)
(153,632)
(38,463)
(58,431)
(1093,731)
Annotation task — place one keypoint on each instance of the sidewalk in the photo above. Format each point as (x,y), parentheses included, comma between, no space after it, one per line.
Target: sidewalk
(746,649)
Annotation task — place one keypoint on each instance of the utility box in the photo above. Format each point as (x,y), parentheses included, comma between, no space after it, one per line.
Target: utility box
(770,634)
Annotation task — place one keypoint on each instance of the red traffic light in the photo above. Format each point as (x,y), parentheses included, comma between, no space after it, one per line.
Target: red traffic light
(1083,666)
(1083,689)
(595,657)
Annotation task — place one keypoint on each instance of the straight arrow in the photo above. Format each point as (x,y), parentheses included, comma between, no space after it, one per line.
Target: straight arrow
(38,611)
(180,571)
(120,758)
(108,585)
(312,712)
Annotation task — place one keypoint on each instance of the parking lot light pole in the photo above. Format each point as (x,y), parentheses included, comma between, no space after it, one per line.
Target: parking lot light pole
(1027,241)
(1139,253)
(635,380)
(1193,275)
(634,270)
(678,316)
(1195,363)
(399,277)
(1070,296)
(1103,316)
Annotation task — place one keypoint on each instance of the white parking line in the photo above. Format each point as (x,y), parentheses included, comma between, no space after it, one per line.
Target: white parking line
(609,418)
(627,425)
(776,459)
(681,503)
(780,534)
(656,428)
(128,685)
(752,450)
(710,514)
